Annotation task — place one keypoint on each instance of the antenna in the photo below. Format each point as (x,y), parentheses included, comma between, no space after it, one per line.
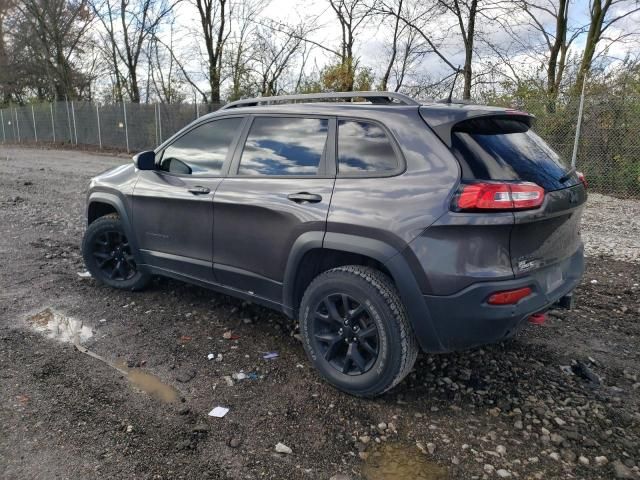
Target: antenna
(453,85)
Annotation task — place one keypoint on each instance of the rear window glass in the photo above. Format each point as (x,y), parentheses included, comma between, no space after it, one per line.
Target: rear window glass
(364,147)
(495,149)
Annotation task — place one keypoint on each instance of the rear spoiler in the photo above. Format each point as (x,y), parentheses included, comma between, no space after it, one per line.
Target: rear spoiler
(442,118)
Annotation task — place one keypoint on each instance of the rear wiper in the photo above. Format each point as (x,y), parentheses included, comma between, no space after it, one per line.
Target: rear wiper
(567,175)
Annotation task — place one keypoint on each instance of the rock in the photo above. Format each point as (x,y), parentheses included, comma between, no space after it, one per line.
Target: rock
(559,422)
(582,370)
(568,455)
(431,447)
(382,427)
(340,476)
(518,425)
(200,428)
(488,468)
(282,448)
(556,439)
(600,461)
(555,456)
(186,376)
(502,473)
(235,442)
(364,439)
(583,460)
(501,450)
(129,428)
(620,470)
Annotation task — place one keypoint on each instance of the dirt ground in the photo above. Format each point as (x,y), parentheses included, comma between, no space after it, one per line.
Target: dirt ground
(559,401)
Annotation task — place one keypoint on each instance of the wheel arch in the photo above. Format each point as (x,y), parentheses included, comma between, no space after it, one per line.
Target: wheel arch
(103,203)
(315,252)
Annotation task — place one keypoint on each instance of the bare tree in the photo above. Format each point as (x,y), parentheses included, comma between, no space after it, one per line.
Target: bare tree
(48,37)
(241,49)
(162,69)
(5,72)
(603,15)
(273,56)
(129,24)
(403,49)
(352,15)
(215,26)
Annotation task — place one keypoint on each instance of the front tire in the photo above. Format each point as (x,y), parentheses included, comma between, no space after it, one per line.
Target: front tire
(355,330)
(108,255)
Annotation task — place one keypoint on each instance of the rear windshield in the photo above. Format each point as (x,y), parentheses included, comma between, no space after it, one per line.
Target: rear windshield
(506,149)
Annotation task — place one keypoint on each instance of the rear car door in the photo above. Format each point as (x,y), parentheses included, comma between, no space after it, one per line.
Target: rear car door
(173,204)
(279,188)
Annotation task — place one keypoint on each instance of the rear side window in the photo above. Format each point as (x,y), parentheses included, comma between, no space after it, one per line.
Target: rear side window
(506,149)
(201,151)
(364,147)
(284,146)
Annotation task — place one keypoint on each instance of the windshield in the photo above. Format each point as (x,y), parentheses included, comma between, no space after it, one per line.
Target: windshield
(504,152)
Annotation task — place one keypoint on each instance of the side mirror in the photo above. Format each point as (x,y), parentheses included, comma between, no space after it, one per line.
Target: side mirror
(145,160)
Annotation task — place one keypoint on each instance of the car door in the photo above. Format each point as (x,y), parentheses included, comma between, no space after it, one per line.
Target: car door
(279,188)
(173,204)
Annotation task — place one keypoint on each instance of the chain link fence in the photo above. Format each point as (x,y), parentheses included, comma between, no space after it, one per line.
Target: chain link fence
(609,143)
(127,127)
(608,150)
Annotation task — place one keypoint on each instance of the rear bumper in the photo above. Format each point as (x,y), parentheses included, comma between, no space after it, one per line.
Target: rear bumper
(465,320)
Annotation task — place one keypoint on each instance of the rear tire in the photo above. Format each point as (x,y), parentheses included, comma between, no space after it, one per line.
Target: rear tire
(108,255)
(355,330)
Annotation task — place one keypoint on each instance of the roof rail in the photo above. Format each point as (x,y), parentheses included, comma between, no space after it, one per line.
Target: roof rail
(373,97)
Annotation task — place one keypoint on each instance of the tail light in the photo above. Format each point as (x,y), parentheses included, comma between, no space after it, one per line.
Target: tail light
(509,297)
(498,196)
(583,179)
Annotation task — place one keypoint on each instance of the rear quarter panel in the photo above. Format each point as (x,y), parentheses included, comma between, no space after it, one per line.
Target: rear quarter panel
(398,208)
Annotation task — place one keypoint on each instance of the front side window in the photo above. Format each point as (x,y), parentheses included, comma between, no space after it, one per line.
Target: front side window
(364,147)
(284,146)
(203,150)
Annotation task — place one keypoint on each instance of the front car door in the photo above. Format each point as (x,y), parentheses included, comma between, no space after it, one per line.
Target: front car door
(173,204)
(279,188)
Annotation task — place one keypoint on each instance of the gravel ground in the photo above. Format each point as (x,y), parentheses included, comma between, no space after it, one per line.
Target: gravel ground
(559,401)
(611,228)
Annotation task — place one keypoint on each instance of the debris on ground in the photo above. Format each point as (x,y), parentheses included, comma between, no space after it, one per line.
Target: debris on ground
(186,375)
(282,448)
(583,371)
(211,356)
(229,335)
(270,355)
(219,412)
(84,274)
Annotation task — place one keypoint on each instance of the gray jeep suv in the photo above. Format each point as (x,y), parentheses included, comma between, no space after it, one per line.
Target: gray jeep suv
(383,225)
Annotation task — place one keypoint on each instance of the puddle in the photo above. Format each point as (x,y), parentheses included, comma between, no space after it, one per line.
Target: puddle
(59,327)
(401,462)
(149,383)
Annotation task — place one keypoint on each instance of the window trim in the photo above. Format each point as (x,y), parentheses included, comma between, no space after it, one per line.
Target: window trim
(327,161)
(402,163)
(224,170)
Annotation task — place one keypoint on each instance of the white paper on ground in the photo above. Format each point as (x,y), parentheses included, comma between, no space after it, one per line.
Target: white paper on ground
(218,412)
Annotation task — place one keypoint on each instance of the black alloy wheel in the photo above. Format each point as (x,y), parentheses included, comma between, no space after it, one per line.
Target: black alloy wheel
(113,256)
(346,334)
(110,257)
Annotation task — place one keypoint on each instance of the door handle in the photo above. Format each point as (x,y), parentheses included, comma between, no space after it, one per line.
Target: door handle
(199,190)
(303,197)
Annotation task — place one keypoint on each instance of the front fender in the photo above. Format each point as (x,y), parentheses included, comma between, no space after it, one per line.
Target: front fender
(119,205)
